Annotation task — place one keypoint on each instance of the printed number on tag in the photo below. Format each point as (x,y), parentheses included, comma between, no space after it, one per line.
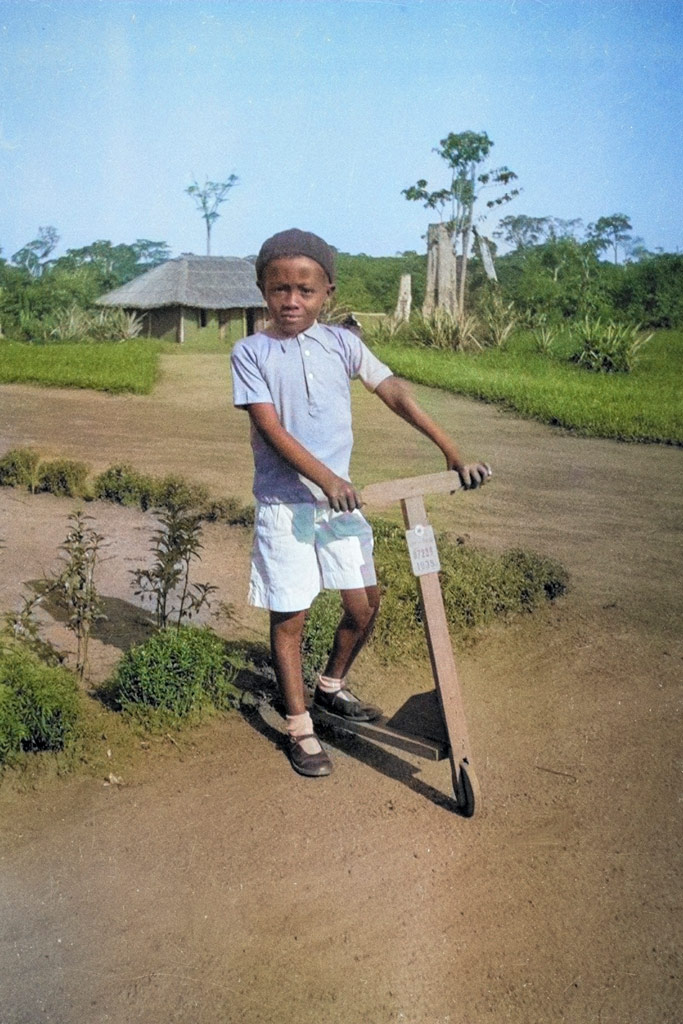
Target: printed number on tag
(424,556)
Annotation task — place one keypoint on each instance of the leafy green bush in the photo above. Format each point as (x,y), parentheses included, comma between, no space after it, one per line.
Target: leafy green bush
(477,588)
(13,730)
(609,347)
(64,477)
(18,468)
(40,703)
(125,486)
(176,494)
(179,670)
(228,510)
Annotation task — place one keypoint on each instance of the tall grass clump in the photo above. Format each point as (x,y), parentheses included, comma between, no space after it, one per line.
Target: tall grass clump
(609,347)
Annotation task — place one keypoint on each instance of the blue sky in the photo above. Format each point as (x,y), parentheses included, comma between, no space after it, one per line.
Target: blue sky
(326,110)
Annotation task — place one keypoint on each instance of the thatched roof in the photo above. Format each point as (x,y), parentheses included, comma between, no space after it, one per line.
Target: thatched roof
(205,282)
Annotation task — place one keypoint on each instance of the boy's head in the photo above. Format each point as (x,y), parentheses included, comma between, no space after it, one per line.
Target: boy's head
(295,272)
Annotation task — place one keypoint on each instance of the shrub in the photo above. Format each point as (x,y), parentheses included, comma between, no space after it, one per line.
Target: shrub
(13,731)
(477,587)
(45,699)
(18,468)
(178,495)
(228,510)
(178,670)
(125,486)
(63,477)
(608,347)
(319,631)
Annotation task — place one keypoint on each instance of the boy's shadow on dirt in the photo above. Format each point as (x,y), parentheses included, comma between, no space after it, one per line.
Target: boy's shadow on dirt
(263,710)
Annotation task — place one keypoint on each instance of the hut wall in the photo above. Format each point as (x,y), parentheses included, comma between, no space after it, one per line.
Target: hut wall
(220,325)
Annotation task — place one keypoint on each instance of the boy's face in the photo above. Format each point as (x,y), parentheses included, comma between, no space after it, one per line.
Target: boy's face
(295,289)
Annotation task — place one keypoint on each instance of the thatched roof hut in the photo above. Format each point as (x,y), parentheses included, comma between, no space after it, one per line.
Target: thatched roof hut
(191,294)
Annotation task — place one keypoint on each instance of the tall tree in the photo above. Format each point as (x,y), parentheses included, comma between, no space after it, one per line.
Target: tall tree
(208,197)
(33,256)
(610,231)
(464,153)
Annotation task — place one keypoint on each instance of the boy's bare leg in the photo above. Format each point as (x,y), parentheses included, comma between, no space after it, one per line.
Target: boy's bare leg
(286,629)
(360,611)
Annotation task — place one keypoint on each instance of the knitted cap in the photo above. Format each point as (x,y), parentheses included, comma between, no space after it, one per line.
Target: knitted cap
(296,243)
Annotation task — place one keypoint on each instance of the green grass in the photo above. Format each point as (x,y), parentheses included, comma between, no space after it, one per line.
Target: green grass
(644,405)
(123,366)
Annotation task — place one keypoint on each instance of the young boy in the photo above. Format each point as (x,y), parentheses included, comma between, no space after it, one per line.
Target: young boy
(294,381)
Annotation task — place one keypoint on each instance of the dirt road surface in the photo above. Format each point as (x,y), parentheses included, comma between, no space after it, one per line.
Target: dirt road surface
(214,885)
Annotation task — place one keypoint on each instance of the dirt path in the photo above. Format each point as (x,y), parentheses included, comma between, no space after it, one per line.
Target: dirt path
(215,885)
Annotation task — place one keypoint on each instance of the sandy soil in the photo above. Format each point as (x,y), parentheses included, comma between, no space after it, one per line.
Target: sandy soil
(215,885)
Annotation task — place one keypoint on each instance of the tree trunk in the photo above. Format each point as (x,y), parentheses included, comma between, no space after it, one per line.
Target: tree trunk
(430,289)
(402,312)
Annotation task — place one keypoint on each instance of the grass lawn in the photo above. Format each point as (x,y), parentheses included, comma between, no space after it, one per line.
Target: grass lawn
(122,366)
(644,405)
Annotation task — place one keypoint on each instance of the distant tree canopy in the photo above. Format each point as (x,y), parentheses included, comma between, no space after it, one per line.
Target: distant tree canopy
(369,284)
(32,286)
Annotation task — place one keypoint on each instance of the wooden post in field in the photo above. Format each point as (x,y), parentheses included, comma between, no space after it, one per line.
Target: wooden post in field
(405,298)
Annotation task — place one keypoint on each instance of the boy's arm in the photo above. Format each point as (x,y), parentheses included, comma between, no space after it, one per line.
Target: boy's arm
(395,394)
(341,494)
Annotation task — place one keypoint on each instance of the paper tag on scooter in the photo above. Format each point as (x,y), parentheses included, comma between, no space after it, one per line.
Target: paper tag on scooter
(424,556)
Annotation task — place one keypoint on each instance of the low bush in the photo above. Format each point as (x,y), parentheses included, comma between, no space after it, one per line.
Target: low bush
(177,672)
(176,494)
(228,510)
(18,468)
(125,486)
(64,477)
(477,588)
(13,730)
(40,705)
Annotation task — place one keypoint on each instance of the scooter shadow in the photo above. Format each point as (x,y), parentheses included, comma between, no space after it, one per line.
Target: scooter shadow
(349,745)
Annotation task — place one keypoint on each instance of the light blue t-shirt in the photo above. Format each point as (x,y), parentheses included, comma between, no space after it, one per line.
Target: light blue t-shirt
(307,378)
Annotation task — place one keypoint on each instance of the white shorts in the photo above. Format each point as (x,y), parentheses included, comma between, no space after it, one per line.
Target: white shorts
(301,549)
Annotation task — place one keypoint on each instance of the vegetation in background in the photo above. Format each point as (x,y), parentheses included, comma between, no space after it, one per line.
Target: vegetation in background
(208,197)
(463,153)
(643,405)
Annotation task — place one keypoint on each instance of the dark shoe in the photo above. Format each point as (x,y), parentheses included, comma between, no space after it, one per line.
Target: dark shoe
(313,765)
(354,708)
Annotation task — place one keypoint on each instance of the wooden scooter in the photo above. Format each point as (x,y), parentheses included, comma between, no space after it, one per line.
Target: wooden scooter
(431,725)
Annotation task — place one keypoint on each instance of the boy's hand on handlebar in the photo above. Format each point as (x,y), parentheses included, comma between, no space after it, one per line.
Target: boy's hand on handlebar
(474,475)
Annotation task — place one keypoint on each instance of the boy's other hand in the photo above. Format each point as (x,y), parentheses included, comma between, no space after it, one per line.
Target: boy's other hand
(474,475)
(342,495)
